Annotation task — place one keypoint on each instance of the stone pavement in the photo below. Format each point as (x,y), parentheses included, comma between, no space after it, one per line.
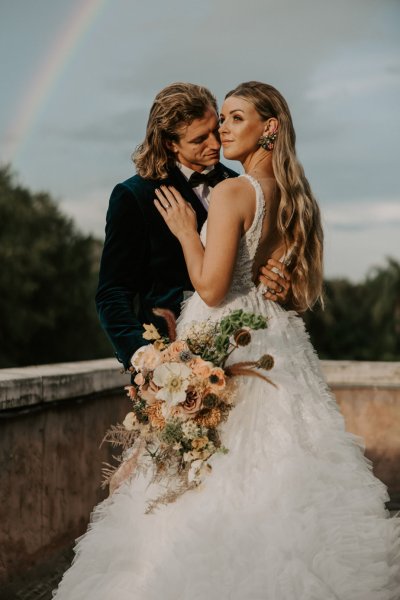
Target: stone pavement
(38,583)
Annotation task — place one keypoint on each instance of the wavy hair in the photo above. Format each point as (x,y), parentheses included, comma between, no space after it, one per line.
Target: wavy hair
(174,106)
(298,219)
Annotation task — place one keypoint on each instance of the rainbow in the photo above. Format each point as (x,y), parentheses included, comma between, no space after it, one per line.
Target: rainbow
(49,73)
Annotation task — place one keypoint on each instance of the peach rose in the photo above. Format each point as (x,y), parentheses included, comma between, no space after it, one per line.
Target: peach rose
(148,392)
(139,379)
(200,367)
(146,358)
(173,351)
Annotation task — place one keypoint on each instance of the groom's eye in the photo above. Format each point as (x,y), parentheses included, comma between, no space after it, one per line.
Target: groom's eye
(199,140)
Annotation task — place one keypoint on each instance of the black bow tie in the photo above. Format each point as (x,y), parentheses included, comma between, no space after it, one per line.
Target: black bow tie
(211,178)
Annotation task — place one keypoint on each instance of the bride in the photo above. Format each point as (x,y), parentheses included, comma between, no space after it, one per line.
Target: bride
(293,511)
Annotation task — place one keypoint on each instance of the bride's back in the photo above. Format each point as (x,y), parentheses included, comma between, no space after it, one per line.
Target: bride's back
(270,242)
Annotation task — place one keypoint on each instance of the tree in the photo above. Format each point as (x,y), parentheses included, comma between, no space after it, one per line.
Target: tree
(360,321)
(47,282)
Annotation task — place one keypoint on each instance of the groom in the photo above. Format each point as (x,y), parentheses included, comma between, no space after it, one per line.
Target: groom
(142,265)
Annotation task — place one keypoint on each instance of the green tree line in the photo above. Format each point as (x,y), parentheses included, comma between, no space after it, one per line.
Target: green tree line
(48,279)
(361,321)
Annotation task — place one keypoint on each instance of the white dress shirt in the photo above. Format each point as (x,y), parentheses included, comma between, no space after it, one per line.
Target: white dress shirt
(202,191)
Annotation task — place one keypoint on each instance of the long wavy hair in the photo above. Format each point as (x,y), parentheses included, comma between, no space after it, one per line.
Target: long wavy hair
(175,106)
(299,219)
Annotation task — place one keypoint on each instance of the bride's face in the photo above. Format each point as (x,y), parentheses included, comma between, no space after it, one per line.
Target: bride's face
(240,128)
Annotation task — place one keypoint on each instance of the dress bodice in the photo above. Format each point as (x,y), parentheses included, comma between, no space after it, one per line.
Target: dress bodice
(243,271)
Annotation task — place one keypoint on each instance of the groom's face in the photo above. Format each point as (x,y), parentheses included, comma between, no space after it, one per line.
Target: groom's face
(199,144)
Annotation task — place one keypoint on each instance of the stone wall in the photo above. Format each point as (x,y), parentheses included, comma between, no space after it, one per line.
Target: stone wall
(52,421)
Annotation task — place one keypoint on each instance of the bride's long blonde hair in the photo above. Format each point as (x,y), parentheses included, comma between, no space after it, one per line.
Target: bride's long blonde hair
(299,220)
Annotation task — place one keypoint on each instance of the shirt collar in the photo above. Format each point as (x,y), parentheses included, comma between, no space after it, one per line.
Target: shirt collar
(187,171)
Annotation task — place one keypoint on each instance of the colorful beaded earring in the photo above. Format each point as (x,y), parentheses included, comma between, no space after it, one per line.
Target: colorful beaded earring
(267,141)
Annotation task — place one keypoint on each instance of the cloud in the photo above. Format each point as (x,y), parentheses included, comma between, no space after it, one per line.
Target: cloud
(363,214)
(366,73)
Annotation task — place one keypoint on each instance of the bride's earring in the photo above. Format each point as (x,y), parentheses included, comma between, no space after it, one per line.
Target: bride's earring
(267,141)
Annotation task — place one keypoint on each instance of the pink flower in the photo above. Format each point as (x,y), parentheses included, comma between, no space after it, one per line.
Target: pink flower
(131,391)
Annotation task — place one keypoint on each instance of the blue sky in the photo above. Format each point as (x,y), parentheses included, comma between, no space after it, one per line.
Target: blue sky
(337,64)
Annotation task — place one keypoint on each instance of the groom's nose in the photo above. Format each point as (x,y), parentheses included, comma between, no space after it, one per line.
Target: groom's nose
(214,141)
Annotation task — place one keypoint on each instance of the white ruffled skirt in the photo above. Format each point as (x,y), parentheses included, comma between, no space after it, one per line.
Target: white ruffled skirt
(292,512)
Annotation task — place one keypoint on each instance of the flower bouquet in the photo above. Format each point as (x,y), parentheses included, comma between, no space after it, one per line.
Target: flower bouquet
(182,391)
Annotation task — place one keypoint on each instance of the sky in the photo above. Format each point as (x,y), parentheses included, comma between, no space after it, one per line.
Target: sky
(78,79)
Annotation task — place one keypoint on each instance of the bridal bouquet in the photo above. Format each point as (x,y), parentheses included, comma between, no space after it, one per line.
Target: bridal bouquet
(181,393)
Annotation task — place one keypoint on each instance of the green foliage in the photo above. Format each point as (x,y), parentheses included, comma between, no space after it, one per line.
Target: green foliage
(47,282)
(360,321)
(172,432)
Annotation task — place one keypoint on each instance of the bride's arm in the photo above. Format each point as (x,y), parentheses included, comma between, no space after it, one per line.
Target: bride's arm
(211,268)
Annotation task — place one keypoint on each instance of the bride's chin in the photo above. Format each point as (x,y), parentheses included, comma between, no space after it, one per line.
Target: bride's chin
(230,154)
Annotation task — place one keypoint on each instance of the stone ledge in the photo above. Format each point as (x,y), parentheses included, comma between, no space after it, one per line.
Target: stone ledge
(27,386)
(361,374)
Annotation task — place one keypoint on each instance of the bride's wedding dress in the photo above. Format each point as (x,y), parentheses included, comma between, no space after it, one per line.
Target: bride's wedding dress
(292,512)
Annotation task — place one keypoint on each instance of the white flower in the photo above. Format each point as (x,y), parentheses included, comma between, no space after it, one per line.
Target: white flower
(150,332)
(190,429)
(197,470)
(130,421)
(194,470)
(173,379)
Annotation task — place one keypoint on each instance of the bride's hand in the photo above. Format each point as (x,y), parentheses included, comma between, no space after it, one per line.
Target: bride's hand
(176,212)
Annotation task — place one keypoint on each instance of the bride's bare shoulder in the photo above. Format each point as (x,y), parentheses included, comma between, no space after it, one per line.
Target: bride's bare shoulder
(235,187)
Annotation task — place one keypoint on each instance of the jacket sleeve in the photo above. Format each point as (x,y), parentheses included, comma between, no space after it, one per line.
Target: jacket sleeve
(122,268)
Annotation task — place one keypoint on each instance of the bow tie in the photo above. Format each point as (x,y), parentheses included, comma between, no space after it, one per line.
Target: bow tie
(211,178)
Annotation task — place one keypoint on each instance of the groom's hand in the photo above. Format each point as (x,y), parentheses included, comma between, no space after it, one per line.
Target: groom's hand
(276,279)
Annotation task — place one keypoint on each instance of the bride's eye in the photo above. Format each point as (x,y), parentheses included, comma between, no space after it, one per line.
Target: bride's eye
(237,118)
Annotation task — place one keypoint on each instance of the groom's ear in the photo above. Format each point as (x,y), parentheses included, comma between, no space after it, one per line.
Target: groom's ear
(171,146)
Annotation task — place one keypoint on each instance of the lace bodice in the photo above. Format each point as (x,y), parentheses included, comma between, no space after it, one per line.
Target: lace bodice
(242,274)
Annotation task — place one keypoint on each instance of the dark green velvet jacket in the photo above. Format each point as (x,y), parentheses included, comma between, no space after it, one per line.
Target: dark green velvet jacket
(142,265)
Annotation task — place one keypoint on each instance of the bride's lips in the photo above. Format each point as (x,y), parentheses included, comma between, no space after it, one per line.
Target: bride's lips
(223,142)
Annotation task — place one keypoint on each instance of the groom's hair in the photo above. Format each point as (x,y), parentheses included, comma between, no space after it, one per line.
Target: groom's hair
(177,105)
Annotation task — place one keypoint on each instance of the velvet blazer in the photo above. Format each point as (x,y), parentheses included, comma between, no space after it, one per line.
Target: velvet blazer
(142,264)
